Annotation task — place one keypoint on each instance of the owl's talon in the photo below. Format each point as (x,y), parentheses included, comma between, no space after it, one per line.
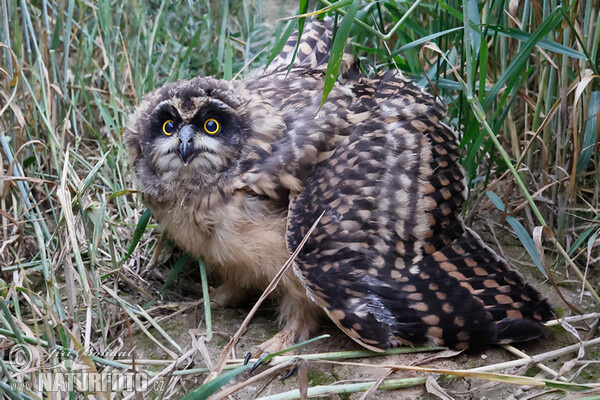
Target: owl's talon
(258,363)
(247,358)
(289,373)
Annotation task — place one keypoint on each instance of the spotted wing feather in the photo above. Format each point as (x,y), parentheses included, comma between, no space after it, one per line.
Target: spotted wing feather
(313,50)
(391,260)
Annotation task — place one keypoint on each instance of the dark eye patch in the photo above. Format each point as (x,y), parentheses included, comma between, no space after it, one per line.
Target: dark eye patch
(223,116)
(230,132)
(159,116)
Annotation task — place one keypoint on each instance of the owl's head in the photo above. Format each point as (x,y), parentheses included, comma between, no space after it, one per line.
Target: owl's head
(197,132)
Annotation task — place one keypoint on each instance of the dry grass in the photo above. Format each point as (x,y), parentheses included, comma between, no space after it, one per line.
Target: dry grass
(82,275)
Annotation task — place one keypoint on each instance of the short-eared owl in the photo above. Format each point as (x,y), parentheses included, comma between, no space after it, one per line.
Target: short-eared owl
(238,172)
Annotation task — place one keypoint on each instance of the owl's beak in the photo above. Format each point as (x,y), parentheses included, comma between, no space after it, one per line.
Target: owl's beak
(186,144)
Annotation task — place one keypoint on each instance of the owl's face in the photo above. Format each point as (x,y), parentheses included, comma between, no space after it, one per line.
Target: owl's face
(189,130)
(192,134)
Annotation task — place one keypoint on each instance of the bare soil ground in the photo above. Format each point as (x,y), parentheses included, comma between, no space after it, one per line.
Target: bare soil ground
(225,323)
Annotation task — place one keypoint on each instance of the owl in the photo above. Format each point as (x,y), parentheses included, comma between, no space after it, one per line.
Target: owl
(238,171)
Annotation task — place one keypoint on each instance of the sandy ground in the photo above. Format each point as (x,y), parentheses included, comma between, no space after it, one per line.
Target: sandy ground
(226,322)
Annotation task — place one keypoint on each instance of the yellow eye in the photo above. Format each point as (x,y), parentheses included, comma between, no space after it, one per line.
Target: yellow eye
(211,126)
(168,127)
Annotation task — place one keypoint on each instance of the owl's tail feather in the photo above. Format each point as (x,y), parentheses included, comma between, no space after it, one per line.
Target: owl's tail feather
(511,330)
(516,308)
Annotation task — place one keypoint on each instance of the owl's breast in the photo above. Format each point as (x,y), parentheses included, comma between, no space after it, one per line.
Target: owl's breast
(242,239)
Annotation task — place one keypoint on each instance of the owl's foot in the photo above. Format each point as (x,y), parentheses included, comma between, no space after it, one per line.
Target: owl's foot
(259,362)
(302,320)
(281,341)
(226,295)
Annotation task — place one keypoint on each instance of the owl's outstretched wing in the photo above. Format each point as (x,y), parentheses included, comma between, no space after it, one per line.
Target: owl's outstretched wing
(391,260)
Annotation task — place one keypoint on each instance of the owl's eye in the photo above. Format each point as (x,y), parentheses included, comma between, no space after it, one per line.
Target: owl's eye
(168,127)
(211,126)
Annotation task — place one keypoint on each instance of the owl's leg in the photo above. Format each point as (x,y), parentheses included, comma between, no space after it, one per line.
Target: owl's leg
(300,317)
(228,294)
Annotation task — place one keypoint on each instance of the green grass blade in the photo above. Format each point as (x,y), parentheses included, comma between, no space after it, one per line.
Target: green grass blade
(8,389)
(205,296)
(450,10)
(222,35)
(474,23)
(149,81)
(227,68)
(9,320)
(281,42)
(138,233)
(302,8)
(483,67)
(520,35)
(589,138)
(345,389)
(67,39)
(522,56)
(425,39)
(211,387)
(91,176)
(527,242)
(337,50)
(582,238)
(543,43)
(522,234)
(98,223)
(296,346)
(174,273)
(331,7)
